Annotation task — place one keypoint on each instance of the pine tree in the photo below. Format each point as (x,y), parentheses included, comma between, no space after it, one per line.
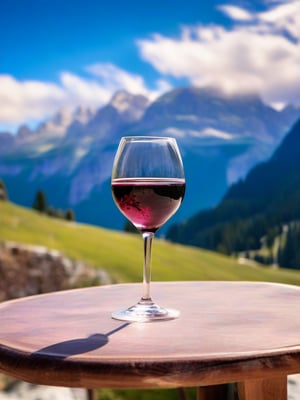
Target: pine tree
(3,191)
(70,215)
(40,202)
(289,255)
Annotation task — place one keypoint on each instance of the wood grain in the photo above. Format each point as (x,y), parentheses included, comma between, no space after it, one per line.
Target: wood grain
(227,332)
(263,389)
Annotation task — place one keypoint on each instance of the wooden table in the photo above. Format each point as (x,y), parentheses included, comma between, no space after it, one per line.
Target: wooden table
(242,332)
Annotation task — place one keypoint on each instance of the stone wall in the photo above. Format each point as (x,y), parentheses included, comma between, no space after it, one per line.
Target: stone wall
(29,270)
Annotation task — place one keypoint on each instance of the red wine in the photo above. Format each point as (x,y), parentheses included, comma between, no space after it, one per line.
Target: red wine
(148,202)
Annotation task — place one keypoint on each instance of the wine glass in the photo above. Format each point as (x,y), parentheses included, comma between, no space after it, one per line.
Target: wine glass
(148,186)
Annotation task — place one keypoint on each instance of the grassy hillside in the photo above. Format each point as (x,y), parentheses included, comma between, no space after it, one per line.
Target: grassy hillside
(121,253)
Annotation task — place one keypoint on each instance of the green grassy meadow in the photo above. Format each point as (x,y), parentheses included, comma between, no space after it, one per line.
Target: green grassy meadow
(120,253)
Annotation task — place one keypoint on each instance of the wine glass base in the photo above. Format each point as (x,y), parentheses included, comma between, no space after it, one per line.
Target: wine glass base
(145,313)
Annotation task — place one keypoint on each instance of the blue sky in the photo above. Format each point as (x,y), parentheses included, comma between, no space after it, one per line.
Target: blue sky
(58,53)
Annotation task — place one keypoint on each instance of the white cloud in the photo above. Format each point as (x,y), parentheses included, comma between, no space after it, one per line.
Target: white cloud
(21,100)
(261,53)
(236,13)
(79,90)
(113,78)
(32,101)
(285,17)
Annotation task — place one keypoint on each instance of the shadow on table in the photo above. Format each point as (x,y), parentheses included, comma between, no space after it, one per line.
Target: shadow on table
(78,346)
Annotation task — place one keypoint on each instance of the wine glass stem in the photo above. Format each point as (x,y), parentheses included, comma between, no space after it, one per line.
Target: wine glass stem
(147,238)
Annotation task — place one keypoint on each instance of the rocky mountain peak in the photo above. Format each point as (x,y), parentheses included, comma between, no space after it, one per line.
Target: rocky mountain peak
(57,124)
(23,132)
(83,114)
(129,105)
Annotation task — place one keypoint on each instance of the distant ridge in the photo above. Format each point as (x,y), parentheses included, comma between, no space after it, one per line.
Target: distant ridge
(255,207)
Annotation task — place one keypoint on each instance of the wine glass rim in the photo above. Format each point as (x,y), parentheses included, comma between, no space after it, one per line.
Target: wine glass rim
(147,138)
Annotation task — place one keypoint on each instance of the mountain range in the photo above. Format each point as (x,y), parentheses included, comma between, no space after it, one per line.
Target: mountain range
(70,156)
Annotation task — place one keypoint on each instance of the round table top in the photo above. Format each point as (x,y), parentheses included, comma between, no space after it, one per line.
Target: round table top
(226,332)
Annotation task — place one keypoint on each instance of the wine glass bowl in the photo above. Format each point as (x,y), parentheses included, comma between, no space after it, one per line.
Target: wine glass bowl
(148,186)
